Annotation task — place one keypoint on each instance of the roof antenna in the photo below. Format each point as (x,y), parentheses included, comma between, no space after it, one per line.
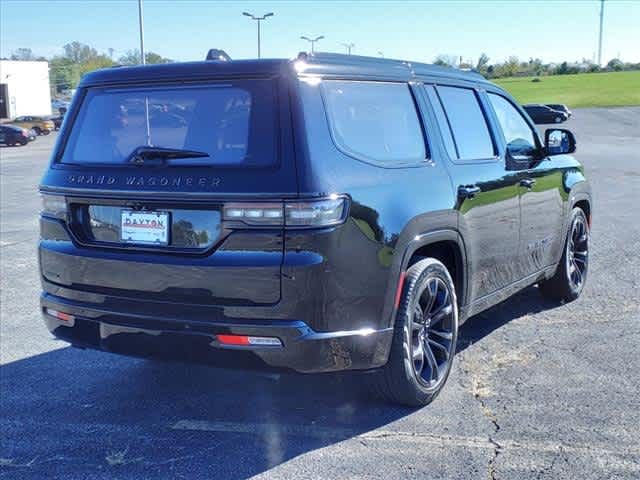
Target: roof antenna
(219,55)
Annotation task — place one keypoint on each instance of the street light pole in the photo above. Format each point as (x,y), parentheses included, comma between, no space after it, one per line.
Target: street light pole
(258,19)
(312,41)
(600,36)
(141,26)
(348,46)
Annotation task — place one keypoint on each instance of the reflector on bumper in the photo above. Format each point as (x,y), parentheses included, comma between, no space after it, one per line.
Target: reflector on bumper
(246,340)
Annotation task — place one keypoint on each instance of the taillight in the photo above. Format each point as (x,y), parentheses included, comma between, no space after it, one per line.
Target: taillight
(290,214)
(54,206)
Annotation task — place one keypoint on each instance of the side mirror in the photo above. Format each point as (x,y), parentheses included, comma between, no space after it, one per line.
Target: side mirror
(558,141)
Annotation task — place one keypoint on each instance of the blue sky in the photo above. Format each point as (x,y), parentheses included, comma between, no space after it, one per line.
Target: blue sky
(417,30)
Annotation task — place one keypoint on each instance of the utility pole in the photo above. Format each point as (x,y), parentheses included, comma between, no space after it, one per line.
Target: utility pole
(141,25)
(312,41)
(258,19)
(348,46)
(600,36)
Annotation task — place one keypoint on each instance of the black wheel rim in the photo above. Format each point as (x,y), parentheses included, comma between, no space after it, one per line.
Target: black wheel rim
(578,253)
(432,329)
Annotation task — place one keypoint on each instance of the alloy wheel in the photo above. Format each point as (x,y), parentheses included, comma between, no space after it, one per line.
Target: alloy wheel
(578,253)
(433,325)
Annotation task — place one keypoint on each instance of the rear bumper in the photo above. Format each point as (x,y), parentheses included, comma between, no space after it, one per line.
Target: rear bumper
(303,349)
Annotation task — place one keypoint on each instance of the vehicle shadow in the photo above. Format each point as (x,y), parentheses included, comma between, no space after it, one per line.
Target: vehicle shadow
(73,413)
(527,301)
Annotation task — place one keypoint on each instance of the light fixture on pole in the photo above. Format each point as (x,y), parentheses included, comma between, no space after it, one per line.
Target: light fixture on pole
(349,46)
(258,19)
(141,26)
(312,41)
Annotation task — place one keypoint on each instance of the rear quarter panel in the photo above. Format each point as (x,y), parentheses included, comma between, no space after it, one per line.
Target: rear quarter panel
(390,207)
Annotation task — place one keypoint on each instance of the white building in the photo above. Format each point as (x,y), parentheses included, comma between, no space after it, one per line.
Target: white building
(24,88)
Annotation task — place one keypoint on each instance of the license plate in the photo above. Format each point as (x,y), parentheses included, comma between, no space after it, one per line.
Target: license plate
(149,228)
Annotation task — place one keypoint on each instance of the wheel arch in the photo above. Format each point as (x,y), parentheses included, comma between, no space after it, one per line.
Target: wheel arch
(446,245)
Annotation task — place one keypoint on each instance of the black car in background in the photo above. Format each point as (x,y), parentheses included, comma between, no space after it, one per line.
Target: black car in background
(560,108)
(327,213)
(12,135)
(541,114)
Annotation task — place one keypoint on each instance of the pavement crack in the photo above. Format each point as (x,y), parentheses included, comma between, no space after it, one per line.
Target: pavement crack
(559,454)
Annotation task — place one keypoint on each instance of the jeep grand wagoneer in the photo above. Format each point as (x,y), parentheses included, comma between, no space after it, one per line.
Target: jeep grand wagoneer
(326,213)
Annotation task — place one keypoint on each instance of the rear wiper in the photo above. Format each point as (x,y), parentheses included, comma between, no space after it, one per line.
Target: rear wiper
(142,155)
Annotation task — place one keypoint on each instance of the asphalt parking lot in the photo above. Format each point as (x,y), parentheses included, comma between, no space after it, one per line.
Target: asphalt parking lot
(538,390)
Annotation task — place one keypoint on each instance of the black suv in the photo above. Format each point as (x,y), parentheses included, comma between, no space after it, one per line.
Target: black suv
(542,114)
(326,213)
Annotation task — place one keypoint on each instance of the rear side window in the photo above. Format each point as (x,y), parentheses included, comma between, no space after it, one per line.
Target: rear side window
(468,124)
(375,121)
(232,123)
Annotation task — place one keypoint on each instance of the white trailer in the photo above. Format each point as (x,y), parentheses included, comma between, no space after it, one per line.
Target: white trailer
(24,88)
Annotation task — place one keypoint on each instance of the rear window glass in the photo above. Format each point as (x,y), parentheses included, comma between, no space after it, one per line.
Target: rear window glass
(470,130)
(375,121)
(232,123)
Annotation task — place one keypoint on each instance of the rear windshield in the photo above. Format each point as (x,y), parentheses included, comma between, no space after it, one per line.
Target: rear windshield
(232,123)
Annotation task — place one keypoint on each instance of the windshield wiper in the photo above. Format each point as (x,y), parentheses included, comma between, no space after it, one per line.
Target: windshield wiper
(142,155)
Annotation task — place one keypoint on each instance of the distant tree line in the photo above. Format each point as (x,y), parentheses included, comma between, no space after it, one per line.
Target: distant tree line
(514,67)
(77,59)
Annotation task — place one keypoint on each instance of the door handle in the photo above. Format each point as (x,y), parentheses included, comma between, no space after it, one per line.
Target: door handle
(468,191)
(527,182)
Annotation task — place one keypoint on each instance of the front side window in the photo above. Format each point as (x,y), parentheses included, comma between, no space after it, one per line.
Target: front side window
(517,132)
(226,123)
(374,121)
(468,125)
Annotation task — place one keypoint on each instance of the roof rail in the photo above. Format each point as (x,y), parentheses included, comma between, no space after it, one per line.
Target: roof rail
(415,68)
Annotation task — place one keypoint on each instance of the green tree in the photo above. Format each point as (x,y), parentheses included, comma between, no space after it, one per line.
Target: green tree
(63,74)
(132,57)
(22,54)
(95,63)
(483,63)
(615,64)
(79,52)
(446,60)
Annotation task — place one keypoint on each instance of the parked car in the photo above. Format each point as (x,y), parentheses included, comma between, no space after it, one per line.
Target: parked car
(560,108)
(40,125)
(542,114)
(328,213)
(12,135)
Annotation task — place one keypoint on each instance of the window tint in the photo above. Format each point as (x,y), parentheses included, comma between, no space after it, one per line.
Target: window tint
(233,123)
(442,122)
(467,121)
(375,121)
(514,127)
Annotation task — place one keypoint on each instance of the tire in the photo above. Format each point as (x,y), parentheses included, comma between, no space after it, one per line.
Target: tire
(568,281)
(46,132)
(24,142)
(558,119)
(37,130)
(407,379)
